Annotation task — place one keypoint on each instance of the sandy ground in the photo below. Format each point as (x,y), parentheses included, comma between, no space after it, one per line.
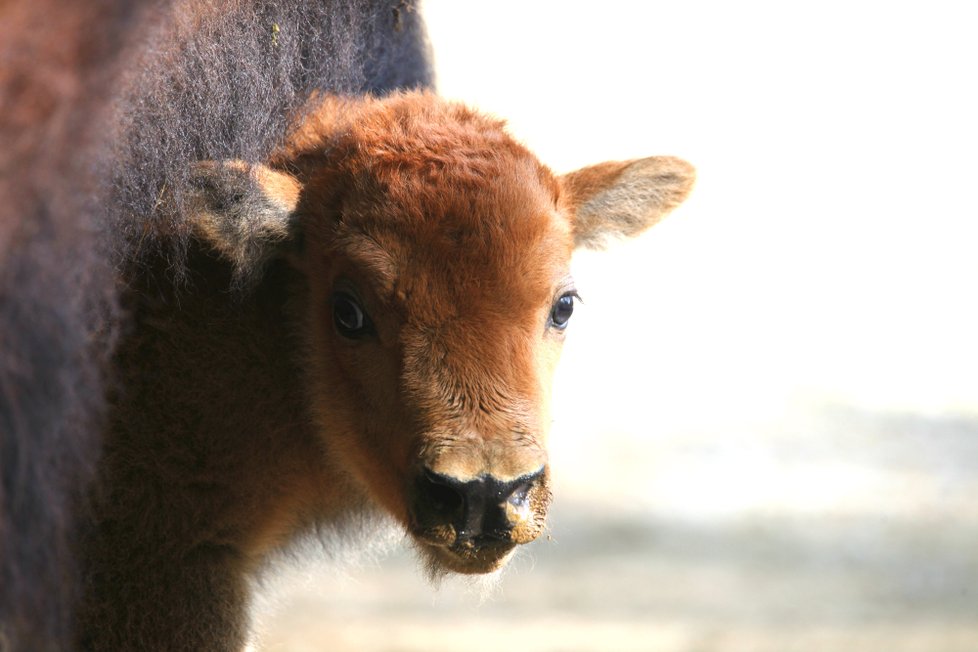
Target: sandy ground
(900,578)
(766,424)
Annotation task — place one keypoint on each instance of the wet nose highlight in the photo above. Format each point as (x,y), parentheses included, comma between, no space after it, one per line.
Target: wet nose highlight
(477,508)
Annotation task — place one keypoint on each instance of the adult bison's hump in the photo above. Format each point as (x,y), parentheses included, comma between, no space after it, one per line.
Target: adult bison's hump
(221,83)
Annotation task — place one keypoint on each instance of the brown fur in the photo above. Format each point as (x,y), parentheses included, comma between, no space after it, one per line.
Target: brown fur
(240,417)
(246,419)
(103,103)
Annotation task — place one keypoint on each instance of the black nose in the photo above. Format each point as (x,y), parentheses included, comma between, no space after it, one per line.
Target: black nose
(475,508)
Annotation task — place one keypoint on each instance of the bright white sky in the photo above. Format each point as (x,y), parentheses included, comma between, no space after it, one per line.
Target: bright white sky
(831,246)
(828,254)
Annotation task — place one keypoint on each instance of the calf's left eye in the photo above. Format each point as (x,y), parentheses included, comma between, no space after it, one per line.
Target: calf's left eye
(562,310)
(349,317)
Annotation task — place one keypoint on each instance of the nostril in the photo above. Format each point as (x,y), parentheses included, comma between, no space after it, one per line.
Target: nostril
(444,499)
(517,491)
(519,495)
(441,493)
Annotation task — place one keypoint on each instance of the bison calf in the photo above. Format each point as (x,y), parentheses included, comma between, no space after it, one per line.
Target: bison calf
(369,320)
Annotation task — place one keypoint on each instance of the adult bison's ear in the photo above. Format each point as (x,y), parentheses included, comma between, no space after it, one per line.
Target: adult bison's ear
(624,198)
(245,211)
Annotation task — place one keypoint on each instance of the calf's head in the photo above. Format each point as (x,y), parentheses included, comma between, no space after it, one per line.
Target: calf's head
(436,254)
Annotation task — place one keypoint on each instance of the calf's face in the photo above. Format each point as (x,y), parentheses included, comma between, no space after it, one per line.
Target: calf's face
(436,252)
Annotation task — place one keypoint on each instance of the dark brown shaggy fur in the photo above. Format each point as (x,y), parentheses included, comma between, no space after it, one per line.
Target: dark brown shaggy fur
(102,104)
(224,79)
(55,295)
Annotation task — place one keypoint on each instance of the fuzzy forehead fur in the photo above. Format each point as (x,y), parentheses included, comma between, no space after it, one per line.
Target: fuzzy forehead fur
(444,203)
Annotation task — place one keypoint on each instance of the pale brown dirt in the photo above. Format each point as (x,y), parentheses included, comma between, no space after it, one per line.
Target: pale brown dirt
(903,579)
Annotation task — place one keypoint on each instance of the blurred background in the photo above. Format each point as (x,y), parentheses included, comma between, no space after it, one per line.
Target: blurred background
(766,431)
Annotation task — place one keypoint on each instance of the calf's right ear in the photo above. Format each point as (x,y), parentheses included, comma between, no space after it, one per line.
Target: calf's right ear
(245,211)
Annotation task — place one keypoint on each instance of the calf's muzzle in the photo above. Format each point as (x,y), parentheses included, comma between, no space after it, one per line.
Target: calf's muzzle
(478,511)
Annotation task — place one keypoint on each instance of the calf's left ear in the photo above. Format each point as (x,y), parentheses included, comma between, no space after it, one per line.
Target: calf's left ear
(245,211)
(624,198)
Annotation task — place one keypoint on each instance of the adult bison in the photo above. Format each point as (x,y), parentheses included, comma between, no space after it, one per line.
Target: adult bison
(331,305)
